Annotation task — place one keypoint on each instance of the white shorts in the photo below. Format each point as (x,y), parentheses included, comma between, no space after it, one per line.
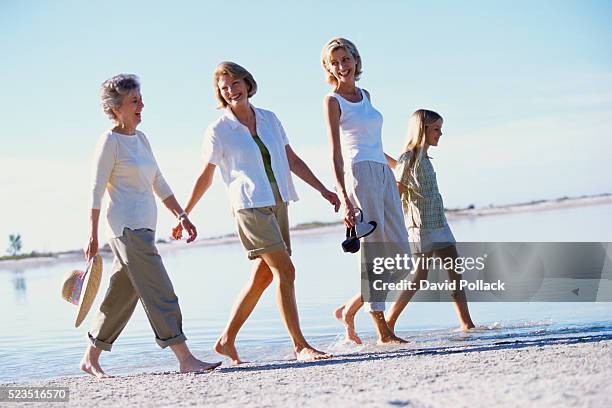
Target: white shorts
(427,240)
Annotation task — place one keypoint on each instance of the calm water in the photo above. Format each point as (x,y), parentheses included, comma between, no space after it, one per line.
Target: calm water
(39,341)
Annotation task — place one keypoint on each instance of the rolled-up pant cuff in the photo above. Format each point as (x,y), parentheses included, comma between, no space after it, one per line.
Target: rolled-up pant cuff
(99,344)
(374,306)
(181,338)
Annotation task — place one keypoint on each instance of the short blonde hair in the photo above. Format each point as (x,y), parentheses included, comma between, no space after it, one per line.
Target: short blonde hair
(235,71)
(348,46)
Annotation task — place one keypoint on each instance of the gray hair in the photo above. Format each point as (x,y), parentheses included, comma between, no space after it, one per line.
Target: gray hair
(114,89)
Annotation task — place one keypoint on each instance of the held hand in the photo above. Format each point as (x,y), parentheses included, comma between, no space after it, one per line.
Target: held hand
(177,232)
(332,198)
(190,228)
(91,249)
(402,189)
(349,214)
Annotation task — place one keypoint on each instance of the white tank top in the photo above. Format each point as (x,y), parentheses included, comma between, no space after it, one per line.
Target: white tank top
(360,130)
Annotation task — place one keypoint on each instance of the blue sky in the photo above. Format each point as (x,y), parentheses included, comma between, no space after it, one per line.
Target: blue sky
(525,90)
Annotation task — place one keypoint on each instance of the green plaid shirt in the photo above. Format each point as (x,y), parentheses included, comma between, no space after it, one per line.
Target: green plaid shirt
(423,206)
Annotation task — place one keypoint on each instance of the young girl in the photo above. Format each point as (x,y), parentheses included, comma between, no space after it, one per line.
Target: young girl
(428,230)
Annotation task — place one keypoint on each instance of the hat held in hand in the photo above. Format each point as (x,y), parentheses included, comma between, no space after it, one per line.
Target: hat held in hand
(81,287)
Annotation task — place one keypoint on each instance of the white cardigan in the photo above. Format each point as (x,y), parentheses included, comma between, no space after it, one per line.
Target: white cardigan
(125,165)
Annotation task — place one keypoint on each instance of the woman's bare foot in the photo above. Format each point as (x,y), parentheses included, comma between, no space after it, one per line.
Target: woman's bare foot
(391,325)
(391,340)
(467,327)
(227,349)
(193,365)
(310,354)
(349,325)
(188,363)
(90,363)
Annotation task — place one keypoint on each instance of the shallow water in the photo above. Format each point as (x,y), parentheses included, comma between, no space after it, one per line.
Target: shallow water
(39,341)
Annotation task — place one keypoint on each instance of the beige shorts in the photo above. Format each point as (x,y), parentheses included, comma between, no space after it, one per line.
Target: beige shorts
(264,229)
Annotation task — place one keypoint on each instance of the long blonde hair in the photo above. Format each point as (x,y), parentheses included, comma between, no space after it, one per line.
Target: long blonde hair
(419,121)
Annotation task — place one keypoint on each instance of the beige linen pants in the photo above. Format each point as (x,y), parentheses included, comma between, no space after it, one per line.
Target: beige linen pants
(371,186)
(138,273)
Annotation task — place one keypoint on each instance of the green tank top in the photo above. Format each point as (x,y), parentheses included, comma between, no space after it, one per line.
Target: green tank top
(265,155)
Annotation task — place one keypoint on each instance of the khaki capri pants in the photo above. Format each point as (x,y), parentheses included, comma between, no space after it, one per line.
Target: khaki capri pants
(138,274)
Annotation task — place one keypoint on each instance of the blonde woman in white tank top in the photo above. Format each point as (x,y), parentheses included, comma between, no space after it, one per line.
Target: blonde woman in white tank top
(361,168)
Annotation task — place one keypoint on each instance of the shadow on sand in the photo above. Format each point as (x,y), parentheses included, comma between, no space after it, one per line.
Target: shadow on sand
(411,351)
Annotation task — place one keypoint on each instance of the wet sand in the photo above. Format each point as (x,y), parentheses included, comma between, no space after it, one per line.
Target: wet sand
(550,372)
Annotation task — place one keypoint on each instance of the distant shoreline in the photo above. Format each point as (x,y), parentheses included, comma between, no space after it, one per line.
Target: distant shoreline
(538,205)
(36,259)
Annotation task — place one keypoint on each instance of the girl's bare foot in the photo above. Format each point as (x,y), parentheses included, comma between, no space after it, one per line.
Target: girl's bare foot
(311,354)
(227,349)
(193,365)
(391,340)
(349,325)
(90,363)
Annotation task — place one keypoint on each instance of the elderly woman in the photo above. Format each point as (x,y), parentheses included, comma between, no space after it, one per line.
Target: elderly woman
(125,166)
(250,147)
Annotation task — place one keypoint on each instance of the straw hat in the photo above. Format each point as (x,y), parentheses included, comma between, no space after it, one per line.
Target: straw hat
(80,287)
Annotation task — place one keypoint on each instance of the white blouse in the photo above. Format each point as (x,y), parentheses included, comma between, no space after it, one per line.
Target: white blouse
(125,166)
(228,144)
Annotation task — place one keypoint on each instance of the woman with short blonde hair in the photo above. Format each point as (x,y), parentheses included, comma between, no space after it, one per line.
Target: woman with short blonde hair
(252,151)
(333,45)
(236,71)
(363,175)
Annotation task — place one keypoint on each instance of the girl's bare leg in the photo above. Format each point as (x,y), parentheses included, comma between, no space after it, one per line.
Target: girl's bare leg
(459,298)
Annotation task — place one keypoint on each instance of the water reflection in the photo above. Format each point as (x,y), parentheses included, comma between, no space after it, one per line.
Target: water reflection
(37,323)
(19,286)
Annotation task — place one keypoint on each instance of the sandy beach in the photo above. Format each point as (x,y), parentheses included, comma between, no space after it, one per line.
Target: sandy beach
(554,372)
(547,359)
